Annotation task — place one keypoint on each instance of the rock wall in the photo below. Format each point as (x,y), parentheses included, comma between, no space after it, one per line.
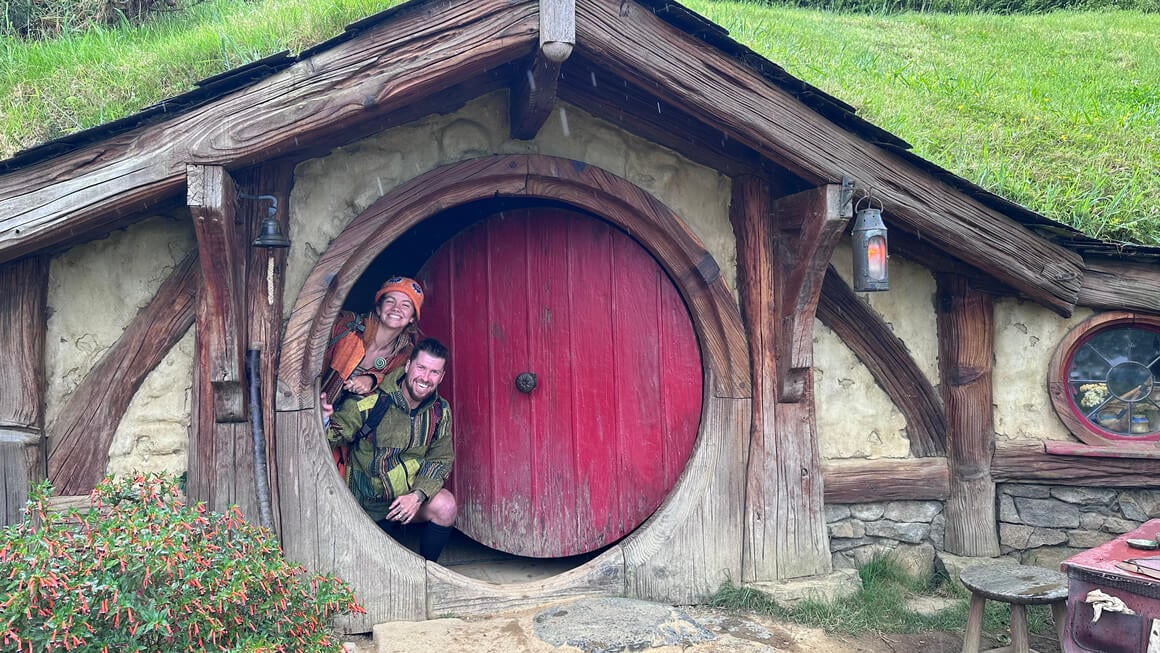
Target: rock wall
(1042,525)
(911,531)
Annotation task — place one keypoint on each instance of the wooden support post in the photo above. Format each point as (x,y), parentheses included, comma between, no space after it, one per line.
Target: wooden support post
(212,199)
(534,89)
(965,336)
(23,316)
(780,267)
(265,280)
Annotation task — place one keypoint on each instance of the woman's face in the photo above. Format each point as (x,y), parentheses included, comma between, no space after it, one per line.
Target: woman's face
(396,310)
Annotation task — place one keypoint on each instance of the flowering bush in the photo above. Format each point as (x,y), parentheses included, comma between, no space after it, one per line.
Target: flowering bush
(143,571)
(1092,394)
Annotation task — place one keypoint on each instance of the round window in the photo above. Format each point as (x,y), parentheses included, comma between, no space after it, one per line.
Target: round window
(1106,379)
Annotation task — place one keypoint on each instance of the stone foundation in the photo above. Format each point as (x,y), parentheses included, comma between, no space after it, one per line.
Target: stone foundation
(908,530)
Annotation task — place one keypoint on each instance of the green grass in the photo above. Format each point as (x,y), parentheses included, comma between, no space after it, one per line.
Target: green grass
(880,606)
(1059,112)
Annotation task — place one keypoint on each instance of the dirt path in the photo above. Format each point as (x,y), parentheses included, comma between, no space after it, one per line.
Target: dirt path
(612,625)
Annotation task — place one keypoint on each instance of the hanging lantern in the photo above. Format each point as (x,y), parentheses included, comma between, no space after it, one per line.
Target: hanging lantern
(868,245)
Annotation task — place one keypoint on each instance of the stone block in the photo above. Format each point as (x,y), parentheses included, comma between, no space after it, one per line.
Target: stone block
(836,512)
(912,511)
(1118,526)
(901,531)
(1046,537)
(1086,496)
(1047,512)
(867,511)
(1092,521)
(830,587)
(844,544)
(1083,539)
(847,528)
(1015,536)
(938,530)
(1026,491)
(1048,556)
(916,560)
(1140,505)
(1007,511)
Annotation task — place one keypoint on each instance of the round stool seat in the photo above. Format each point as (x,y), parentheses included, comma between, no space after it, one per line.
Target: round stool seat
(1018,586)
(1015,583)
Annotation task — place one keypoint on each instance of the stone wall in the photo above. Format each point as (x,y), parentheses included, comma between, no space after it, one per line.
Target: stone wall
(1043,525)
(910,530)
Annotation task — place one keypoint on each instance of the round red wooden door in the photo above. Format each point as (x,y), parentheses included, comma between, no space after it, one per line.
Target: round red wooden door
(583,447)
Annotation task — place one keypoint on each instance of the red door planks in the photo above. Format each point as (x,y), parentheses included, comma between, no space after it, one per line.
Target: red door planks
(587,455)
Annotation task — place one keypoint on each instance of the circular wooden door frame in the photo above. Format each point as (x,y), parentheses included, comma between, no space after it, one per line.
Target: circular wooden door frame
(712,307)
(1057,385)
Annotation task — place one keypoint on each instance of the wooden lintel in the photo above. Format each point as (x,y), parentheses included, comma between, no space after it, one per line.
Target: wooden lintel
(808,226)
(533,96)
(212,198)
(888,361)
(1029,462)
(1121,285)
(80,439)
(907,479)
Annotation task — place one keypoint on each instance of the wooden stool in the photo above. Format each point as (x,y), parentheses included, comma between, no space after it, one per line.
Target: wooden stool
(1019,586)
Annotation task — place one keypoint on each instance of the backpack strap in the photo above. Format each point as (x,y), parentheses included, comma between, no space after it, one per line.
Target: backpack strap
(382,405)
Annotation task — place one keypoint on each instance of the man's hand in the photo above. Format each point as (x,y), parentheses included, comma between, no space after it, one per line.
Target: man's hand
(404,508)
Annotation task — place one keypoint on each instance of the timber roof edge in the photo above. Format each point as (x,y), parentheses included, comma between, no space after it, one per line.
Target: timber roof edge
(829,107)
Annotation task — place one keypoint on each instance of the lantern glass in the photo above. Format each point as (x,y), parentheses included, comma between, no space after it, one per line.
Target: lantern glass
(876,258)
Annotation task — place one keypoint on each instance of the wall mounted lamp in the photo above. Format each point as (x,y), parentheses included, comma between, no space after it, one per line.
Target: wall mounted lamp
(868,245)
(269,231)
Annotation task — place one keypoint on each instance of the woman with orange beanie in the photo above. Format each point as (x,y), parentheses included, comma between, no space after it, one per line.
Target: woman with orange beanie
(363,348)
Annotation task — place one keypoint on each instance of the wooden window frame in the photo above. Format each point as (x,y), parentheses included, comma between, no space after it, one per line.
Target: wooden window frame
(1061,400)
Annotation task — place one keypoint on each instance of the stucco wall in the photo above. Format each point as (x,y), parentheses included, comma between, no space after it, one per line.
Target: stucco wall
(855,417)
(1026,337)
(330,191)
(94,292)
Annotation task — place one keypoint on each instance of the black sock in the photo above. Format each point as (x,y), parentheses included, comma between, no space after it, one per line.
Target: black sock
(392,528)
(433,540)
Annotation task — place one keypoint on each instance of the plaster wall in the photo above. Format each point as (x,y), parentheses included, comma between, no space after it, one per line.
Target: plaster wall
(1026,336)
(94,291)
(855,417)
(330,191)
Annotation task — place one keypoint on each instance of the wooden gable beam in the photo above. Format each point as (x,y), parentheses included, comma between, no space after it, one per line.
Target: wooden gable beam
(534,89)
(681,69)
(423,50)
(221,325)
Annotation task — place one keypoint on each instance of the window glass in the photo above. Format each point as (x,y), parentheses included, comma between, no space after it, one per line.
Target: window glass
(1112,381)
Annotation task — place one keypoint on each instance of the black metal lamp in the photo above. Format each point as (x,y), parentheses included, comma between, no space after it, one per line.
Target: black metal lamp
(269,231)
(869,248)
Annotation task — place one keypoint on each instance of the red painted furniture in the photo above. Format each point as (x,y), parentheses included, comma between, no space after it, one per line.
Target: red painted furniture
(576,457)
(1096,569)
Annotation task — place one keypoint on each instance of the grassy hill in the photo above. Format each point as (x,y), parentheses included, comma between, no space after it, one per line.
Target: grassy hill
(1058,111)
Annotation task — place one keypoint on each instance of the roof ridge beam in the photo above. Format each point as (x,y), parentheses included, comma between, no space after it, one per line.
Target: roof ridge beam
(533,93)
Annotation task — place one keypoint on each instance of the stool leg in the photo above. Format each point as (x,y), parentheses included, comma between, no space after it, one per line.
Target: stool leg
(1020,640)
(1059,614)
(974,632)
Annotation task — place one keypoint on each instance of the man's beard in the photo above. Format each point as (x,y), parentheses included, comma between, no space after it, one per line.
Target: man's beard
(409,387)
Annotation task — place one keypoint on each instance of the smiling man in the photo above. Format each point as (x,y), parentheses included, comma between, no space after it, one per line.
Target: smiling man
(400,437)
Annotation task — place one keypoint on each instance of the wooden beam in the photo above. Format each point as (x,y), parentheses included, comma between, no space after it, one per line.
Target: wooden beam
(888,361)
(534,89)
(785,533)
(23,324)
(422,51)
(21,467)
(265,282)
(533,96)
(1121,285)
(1029,462)
(966,346)
(809,225)
(79,442)
(679,68)
(221,324)
(887,479)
